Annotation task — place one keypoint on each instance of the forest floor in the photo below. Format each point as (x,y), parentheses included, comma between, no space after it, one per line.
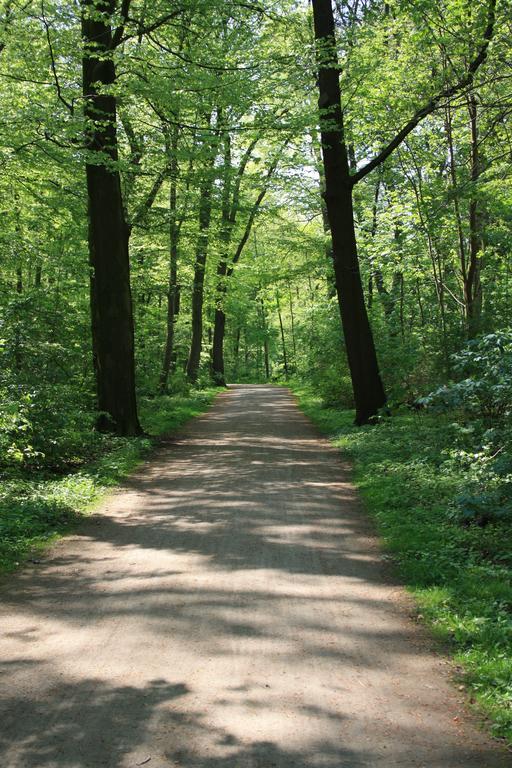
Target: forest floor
(39,505)
(229,607)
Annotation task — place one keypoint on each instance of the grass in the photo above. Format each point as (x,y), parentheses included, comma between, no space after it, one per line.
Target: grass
(35,508)
(460,576)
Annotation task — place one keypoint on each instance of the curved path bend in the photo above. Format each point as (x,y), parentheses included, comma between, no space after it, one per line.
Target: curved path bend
(228,608)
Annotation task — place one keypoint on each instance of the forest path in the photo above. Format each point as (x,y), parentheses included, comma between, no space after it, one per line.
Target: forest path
(228,609)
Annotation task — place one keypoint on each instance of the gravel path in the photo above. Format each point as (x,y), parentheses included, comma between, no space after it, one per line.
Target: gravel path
(228,608)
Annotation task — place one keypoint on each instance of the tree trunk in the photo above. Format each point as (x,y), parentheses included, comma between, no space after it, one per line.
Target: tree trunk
(205,207)
(111,301)
(228,216)
(258,363)
(438,270)
(331,281)
(367,385)
(456,206)
(266,355)
(205,212)
(246,353)
(236,353)
(472,284)
(283,342)
(172,291)
(224,272)
(375,273)
(292,319)
(218,345)
(19,271)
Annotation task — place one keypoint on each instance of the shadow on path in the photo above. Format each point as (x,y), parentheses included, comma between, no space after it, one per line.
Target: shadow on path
(228,609)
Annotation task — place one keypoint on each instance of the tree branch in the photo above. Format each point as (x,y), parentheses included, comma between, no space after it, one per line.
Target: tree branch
(147,203)
(201,65)
(118,34)
(142,30)
(239,175)
(67,104)
(254,210)
(433,104)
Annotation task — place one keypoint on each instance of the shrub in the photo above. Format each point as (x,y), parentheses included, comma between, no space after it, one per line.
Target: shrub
(481,401)
(46,428)
(484,390)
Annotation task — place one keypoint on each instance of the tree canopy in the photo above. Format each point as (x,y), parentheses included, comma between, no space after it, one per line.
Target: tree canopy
(203,121)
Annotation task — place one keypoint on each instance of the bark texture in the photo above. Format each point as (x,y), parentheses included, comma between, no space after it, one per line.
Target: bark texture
(367,385)
(111,301)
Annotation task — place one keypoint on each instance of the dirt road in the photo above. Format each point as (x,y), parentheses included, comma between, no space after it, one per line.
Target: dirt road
(227,609)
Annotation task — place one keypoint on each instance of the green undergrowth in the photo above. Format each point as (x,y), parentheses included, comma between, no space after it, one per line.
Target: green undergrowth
(459,575)
(36,507)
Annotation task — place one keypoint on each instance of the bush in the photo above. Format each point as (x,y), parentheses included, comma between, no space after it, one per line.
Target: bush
(48,428)
(485,391)
(481,402)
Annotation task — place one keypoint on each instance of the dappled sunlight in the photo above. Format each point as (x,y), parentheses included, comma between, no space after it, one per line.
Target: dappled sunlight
(228,609)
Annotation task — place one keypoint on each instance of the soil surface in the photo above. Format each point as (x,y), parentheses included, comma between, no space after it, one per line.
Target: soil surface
(228,608)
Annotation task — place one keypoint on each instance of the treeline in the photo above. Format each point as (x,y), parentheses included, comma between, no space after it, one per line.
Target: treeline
(195,193)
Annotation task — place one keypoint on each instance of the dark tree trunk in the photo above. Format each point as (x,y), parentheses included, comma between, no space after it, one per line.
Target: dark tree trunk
(258,363)
(331,281)
(205,212)
(470,259)
(19,290)
(172,291)
(224,272)
(367,385)
(236,353)
(389,298)
(375,273)
(283,341)
(228,216)
(456,203)
(218,345)
(267,361)
(111,301)
(438,271)
(292,319)
(265,339)
(472,283)
(246,353)
(205,208)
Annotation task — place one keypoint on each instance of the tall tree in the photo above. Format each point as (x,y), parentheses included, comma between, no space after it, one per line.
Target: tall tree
(210,147)
(369,393)
(111,299)
(174,235)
